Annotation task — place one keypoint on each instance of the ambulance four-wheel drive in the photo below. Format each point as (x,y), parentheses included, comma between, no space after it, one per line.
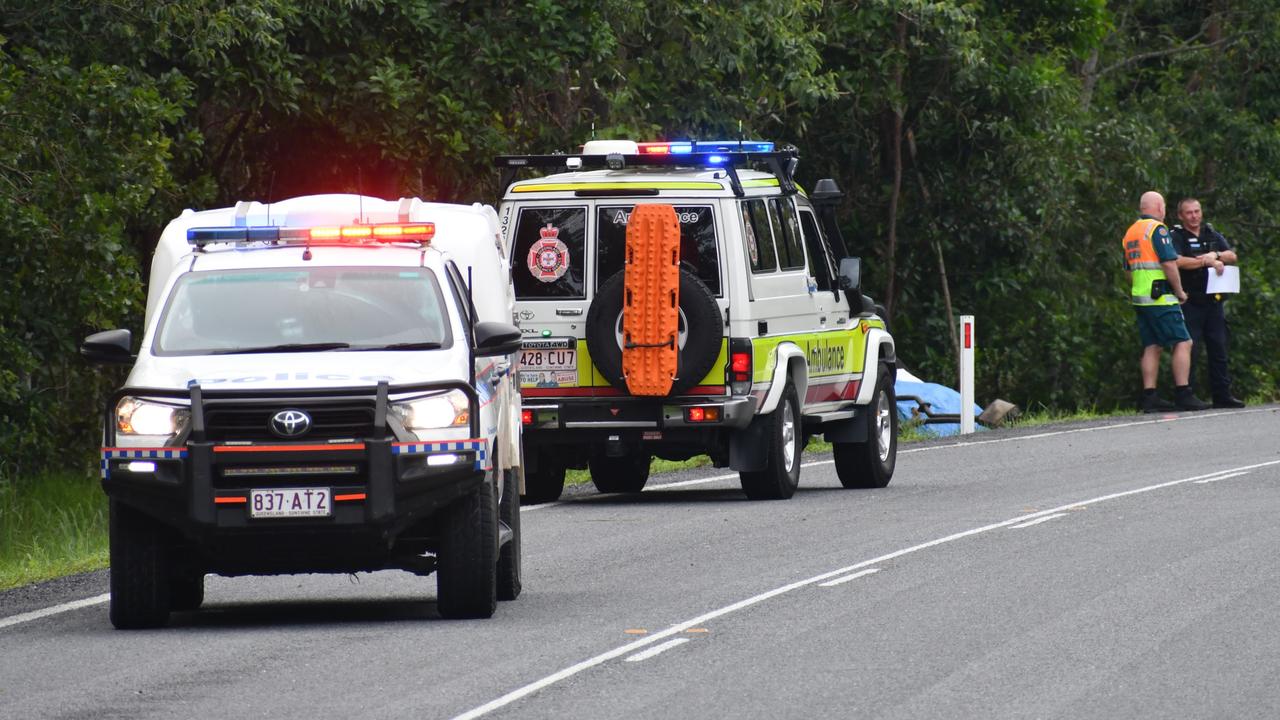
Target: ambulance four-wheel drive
(323,385)
(687,298)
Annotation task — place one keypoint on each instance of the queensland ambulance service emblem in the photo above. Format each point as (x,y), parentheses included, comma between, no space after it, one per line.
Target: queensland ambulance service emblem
(549,258)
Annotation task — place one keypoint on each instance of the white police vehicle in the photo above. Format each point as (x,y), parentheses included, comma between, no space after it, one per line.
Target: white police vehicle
(731,324)
(323,385)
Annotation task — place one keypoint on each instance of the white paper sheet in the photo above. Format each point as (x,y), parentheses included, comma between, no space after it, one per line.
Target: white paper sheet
(1227,282)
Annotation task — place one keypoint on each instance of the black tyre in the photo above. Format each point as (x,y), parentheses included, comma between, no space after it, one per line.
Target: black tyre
(701,331)
(509,585)
(626,474)
(545,484)
(870,464)
(140,556)
(186,589)
(467,564)
(781,474)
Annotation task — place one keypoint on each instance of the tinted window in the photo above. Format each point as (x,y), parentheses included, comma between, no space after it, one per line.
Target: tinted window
(820,264)
(227,311)
(547,254)
(758,236)
(786,231)
(697,242)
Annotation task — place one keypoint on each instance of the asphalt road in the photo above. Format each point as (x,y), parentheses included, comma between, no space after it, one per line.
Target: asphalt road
(1124,568)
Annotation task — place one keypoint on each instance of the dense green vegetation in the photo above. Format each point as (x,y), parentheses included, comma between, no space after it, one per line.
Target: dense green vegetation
(993,151)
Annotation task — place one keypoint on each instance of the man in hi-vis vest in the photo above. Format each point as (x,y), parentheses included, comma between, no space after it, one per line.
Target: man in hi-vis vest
(1157,296)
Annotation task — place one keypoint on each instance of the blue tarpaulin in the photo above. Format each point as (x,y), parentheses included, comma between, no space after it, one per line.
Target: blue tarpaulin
(942,400)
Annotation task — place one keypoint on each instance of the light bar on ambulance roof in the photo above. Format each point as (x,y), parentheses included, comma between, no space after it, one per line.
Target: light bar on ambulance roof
(420,233)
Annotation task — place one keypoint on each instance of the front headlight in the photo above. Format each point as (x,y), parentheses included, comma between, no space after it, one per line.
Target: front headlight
(135,416)
(446,410)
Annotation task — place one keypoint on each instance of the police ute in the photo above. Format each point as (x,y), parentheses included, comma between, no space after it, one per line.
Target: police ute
(323,384)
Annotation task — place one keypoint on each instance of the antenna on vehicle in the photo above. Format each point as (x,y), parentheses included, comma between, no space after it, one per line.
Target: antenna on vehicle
(593,129)
(360,193)
(271,188)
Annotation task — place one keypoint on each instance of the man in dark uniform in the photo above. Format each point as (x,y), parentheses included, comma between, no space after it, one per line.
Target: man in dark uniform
(1203,250)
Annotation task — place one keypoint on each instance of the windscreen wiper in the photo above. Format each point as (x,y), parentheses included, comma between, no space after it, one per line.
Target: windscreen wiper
(285,348)
(422,345)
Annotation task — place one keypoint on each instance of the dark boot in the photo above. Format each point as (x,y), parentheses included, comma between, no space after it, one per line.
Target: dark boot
(1186,400)
(1153,403)
(1228,402)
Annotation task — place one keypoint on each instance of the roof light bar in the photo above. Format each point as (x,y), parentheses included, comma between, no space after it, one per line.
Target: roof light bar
(420,233)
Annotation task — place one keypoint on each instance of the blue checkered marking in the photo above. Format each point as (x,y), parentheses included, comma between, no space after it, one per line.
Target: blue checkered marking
(109,454)
(479,447)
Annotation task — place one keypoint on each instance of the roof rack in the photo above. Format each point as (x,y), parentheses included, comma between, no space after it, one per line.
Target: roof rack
(781,164)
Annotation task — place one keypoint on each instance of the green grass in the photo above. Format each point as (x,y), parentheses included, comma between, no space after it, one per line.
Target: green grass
(51,526)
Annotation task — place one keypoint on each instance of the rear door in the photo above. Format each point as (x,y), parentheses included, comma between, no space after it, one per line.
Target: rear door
(549,270)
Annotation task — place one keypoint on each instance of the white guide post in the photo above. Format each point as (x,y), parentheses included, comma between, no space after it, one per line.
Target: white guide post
(966,374)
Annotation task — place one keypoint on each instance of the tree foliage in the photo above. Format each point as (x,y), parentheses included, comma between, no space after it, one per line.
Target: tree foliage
(991,151)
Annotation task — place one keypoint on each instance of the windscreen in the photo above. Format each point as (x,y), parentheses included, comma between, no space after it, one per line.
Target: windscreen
(292,310)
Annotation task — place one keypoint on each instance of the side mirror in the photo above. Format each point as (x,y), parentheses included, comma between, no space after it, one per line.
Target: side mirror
(496,338)
(109,347)
(850,275)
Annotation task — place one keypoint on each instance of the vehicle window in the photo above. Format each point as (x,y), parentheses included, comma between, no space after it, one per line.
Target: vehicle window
(697,242)
(786,232)
(758,236)
(367,308)
(820,261)
(547,258)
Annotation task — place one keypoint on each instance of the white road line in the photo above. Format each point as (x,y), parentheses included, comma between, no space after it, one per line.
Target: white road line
(847,578)
(1037,521)
(646,654)
(908,451)
(1220,477)
(46,612)
(533,687)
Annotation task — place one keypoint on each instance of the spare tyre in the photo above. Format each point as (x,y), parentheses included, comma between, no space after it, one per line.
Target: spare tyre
(700,332)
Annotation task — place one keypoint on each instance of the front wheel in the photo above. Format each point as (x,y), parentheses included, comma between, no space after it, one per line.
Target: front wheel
(781,474)
(625,474)
(870,464)
(140,561)
(509,585)
(467,566)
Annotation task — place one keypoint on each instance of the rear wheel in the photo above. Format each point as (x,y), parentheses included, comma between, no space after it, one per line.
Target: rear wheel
(509,555)
(140,560)
(870,464)
(467,567)
(545,484)
(626,474)
(781,474)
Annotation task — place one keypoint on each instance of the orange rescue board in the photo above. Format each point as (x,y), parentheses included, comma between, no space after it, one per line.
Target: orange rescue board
(651,300)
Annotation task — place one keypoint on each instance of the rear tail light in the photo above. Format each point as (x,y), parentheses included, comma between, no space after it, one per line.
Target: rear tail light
(702,414)
(526,417)
(740,366)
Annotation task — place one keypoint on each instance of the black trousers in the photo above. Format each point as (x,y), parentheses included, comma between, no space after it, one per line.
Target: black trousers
(1207,324)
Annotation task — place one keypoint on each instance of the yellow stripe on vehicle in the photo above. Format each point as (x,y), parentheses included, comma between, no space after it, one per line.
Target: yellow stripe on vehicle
(765,182)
